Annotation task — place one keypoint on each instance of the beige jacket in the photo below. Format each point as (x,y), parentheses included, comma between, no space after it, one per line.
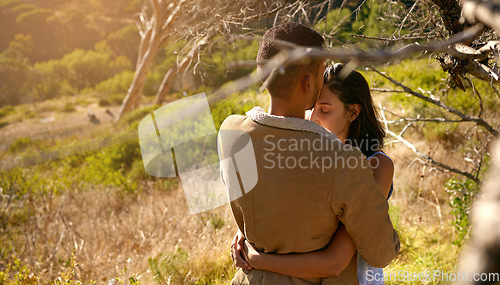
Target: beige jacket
(300,197)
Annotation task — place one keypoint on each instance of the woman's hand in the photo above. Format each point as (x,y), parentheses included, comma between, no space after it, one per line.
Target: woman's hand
(237,245)
(251,255)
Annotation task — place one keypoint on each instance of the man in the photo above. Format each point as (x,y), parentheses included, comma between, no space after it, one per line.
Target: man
(308,181)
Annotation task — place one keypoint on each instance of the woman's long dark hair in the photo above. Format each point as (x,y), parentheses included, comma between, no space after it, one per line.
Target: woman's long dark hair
(366,131)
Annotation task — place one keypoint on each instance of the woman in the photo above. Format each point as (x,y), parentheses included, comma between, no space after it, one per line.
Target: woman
(345,107)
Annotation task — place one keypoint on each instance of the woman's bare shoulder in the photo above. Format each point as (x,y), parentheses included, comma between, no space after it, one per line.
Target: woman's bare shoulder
(382,162)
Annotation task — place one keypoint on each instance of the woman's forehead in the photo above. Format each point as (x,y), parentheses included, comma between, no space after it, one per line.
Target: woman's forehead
(327,96)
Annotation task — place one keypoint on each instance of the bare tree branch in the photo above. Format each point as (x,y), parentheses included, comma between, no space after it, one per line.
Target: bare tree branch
(479,121)
(395,39)
(384,90)
(291,52)
(426,158)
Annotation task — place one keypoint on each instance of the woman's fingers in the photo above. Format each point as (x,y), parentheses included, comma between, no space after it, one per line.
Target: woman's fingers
(235,240)
(238,259)
(240,241)
(236,247)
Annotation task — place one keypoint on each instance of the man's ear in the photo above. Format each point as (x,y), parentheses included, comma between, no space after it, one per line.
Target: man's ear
(307,83)
(355,109)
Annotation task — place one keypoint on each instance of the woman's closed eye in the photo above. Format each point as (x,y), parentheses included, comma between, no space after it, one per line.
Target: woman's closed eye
(324,109)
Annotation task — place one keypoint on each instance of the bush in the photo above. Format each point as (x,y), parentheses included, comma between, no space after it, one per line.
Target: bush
(4,111)
(14,77)
(171,268)
(435,132)
(115,99)
(20,144)
(223,54)
(68,107)
(463,193)
(78,70)
(238,103)
(111,165)
(118,84)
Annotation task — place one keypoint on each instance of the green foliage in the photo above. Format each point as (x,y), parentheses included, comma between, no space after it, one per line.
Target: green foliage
(8,3)
(433,80)
(17,273)
(5,111)
(223,54)
(22,43)
(115,99)
(61,26)
(394,215)
(78,70)
(33,15)
(116,85)
(238,103)
(133,118)
(337,23)
(468,101)
(68,107)
(65,41)
(21,8)
(172,268)
(178,268)
(369,23)
(423,248)
(342,23)
(20,144)
(13,188)
(125,42)
(439,132)
(109,166)
(463,193)
(14,76)
(217,221)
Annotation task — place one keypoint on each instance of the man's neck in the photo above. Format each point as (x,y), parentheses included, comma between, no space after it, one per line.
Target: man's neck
(286,109)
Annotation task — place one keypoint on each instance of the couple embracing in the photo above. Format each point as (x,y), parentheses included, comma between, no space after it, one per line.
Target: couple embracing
(317,215)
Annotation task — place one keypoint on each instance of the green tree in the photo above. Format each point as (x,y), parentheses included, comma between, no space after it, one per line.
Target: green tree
(15,71)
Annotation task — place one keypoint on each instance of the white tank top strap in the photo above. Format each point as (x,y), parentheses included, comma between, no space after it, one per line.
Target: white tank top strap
(378,152)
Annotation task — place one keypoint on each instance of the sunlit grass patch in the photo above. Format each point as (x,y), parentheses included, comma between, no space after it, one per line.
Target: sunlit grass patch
(425,249)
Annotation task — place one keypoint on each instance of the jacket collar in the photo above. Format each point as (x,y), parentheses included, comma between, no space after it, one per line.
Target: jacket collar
(258,115)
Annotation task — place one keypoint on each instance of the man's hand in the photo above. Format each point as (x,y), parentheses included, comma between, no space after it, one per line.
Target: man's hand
(237,245)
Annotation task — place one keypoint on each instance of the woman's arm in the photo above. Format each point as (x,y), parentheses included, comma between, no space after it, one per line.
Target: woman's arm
(322,263)
(383,171)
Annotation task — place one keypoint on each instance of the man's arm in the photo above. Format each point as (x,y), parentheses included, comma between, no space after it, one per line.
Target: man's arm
(321,263)
(362,208)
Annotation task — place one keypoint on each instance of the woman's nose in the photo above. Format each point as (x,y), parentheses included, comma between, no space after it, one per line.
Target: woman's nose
(314,117)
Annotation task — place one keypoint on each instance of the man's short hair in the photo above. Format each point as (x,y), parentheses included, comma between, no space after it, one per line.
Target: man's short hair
(283,82)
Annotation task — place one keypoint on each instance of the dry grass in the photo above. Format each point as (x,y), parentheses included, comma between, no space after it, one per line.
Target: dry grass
(111,235)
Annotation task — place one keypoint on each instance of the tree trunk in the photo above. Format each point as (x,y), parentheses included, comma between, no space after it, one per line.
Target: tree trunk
(153,35)
(168,80)
(482,253)
(134,93)
(451,12)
